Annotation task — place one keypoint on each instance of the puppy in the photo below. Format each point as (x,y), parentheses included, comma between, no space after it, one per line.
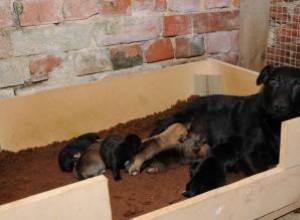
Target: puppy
(156,144)
(185,152)
(90,164)
(69,155)
(221,158)
(117,151)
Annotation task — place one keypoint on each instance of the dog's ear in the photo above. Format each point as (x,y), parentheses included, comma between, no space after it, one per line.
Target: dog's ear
(265,74)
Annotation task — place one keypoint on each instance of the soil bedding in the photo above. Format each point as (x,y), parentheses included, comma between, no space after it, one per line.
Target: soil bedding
(36,170)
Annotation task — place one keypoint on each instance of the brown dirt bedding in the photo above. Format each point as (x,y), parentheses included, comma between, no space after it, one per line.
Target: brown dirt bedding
(36,170)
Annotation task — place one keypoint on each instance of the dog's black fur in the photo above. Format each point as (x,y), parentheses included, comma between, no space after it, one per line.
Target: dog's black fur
(243,131)
(70,154)
(116,151)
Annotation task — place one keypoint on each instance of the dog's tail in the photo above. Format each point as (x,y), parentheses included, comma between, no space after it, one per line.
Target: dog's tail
(184,116)
(179,117)
(162,125)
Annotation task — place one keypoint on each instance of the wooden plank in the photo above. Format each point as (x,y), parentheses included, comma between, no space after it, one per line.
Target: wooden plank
(253,34)
(290,151)
(61,114)
(250,198)
(236,80)
(208,84)
(281,212)
(71,111)
(87,199)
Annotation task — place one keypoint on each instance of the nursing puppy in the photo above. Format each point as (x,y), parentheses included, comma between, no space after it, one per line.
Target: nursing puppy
(156,144)
(69,155)
(117,151)
(242,131)
(90,164)
(184,153)
(174,141)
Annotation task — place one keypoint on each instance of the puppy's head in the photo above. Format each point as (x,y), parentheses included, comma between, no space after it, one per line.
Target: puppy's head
(133,142)
(281,92)
(67,158)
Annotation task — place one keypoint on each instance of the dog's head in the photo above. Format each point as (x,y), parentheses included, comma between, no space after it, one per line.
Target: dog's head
(281,92)
(133,143)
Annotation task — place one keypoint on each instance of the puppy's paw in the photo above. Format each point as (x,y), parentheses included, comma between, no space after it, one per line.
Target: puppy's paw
(152,170)
(133,170)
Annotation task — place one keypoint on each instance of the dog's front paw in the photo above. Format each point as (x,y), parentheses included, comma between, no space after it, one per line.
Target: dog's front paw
(133,171)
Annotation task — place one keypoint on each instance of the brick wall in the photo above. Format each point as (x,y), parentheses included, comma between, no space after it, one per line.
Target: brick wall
(52,43)
(284,33)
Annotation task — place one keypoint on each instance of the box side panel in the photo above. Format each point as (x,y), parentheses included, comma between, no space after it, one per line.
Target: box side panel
(84,200)
(290,149)
(236,80)
(60,114)
(250,198)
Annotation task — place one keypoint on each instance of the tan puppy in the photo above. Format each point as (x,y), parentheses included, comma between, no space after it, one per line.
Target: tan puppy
(156,144)
(189,151)
(90,164)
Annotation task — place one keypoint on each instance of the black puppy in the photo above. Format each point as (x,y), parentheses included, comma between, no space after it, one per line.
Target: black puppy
(117,151)
(69,155)
(242,131)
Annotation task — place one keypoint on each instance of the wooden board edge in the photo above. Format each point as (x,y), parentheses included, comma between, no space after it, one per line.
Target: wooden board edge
(75,201)
(235,201)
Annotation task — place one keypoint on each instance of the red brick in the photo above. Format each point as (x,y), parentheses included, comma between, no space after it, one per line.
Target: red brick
(150,5)
(4,44)
(6,19)
(78,9)
(221,42)
(215,21)
(279,13)
(160,5)
(236,3)
(209,4)
(231,58)
(91,61)
(37,12)
(176,25)
(114,30)
(159,50)
(142,5)
(184,6)
(115,7)
(126,56)
(40,67)
(189,46)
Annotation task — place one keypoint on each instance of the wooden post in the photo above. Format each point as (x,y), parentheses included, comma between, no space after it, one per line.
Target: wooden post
(254,29)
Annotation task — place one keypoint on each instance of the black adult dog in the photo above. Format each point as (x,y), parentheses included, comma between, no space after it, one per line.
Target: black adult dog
(243,132)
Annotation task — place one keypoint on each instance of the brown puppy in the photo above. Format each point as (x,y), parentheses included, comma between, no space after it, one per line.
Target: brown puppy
(158,143)
(90,164)
(189,151)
